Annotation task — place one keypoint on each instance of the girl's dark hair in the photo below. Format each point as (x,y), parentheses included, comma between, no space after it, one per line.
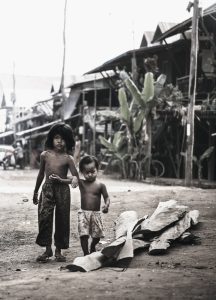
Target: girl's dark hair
(87,159)
(65,131)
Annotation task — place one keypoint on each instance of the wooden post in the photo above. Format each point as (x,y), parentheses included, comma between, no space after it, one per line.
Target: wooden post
(212,160)
(134,68)
(94,131)
(63,65)
(83,112)
(149,144)
(110,108)
(192,95)
(13,98)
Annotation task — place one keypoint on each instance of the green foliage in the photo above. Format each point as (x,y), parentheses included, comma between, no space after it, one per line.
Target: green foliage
(148,88)
(131,141)
(124,109)
(207,153)
(138,120)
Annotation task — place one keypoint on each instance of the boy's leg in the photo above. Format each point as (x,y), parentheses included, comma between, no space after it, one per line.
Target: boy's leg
(83,229)
(97,230)
(94,242)
(84,244)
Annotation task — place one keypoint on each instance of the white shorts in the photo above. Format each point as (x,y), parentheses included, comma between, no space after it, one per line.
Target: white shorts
(90,223)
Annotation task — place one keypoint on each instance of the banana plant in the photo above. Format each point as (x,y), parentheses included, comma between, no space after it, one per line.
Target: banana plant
(117,149)
(133,115)
(199,161)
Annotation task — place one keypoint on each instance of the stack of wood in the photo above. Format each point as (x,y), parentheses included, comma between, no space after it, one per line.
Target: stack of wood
(155,234)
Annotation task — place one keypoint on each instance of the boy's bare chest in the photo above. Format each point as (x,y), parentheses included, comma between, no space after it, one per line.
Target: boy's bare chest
(90,189)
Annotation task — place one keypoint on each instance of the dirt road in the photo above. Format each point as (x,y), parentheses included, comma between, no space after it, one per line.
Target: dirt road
(185,272)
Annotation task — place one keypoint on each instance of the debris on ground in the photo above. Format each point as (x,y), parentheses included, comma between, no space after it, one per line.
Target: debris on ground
(155,234)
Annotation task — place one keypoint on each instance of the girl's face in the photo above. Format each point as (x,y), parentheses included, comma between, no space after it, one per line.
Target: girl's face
(58,143)
(90,172)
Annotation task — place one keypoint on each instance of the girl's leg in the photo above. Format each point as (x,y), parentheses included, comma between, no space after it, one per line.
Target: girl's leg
(62,217)
(46,255)
(45,217)
(94,242)
(59,257)
(84,244)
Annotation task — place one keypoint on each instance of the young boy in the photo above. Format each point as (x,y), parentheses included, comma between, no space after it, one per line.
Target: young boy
(89,216)
(54,164)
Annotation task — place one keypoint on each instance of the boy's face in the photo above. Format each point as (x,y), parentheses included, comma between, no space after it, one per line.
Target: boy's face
(90,172)
(58,143)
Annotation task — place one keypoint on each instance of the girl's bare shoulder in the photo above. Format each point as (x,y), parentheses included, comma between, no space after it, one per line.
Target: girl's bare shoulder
(46,153)
(69,157)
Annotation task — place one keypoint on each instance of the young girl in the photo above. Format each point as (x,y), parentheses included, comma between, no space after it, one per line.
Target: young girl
(89,216)
(54,164)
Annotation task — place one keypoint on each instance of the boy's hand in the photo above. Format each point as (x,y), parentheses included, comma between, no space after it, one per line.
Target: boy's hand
(35,198)
(74,182)
(105,209)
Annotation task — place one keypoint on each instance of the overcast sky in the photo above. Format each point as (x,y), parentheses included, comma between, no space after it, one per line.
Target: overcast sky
(96,30)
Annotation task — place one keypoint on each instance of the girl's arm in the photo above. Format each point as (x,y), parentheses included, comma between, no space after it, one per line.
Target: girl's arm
(62,180)
(74,172)
(40,177)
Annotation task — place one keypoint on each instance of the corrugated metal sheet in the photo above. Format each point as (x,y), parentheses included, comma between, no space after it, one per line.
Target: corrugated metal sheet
(6,133)
(147,38)
(111,64)
(161,28)
(39,128)
(70,104)
(45,107)
(185,25)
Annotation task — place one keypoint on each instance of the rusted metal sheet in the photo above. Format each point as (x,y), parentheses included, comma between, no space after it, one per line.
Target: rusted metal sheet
(167,223)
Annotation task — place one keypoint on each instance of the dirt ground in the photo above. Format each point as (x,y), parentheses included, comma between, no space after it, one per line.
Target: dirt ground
(185,272)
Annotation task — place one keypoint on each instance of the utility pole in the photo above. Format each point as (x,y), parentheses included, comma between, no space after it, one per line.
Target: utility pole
(13,99)
(192,93)
(95,112)
(63,65)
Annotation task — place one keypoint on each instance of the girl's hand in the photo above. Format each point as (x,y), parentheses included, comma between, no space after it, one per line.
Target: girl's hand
(105,209)
(55,177)
(74,182)
(35,198)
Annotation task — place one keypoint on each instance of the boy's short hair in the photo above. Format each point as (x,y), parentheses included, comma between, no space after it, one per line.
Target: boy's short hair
(87,159)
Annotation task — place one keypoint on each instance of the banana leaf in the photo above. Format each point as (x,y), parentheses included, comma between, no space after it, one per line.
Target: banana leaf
(207,153)
(138,120)
(118,140)
(134,92)
(148,89)
(124,109)
(107,144)
(159,85)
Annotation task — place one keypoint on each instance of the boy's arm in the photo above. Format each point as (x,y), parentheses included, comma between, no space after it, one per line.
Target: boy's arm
(40,178)
(105,208)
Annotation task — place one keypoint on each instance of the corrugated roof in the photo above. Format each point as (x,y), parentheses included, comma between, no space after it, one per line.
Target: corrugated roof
(44,126)
(124,58)
(147,38)
(6,133)
(185,25)
(161,28)
(210,9)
